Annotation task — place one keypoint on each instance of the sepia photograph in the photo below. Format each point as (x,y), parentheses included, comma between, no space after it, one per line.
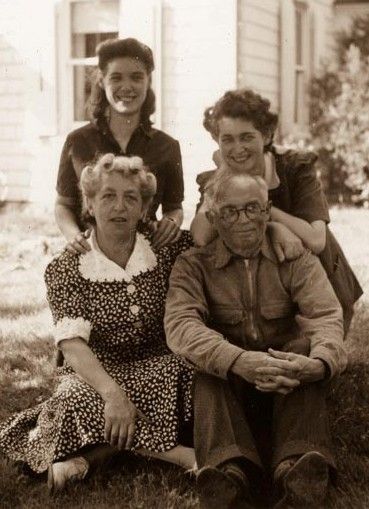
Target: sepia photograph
(184,254)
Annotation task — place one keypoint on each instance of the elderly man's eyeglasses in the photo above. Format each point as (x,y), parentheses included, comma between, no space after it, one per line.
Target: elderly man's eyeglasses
(231,214)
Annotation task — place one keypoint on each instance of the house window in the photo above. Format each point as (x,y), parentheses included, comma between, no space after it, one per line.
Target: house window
(91,22)
(302,60)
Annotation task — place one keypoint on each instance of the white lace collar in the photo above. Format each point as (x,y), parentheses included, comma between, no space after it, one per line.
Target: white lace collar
(95,266)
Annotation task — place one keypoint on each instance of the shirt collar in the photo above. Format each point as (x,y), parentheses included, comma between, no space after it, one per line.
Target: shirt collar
(96,266)
(102,124)
(223,255)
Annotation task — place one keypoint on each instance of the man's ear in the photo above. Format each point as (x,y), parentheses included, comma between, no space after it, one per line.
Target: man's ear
(210,216)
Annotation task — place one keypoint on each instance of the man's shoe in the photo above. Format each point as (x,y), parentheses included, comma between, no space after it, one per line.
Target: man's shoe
(304,483)
(225,487)
(63,472)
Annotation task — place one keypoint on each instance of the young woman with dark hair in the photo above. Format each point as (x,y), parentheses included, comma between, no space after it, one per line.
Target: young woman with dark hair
(243,126)
(120,106)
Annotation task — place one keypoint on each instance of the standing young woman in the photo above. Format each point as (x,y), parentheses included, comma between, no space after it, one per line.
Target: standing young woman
(243,126)
(120,106)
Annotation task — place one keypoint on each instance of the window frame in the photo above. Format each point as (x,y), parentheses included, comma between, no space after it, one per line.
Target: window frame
(302,70)
(289,69)
(66,66)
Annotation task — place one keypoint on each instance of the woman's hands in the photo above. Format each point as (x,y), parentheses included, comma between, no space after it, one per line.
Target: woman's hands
(120,420)
(78,244)
(286,245)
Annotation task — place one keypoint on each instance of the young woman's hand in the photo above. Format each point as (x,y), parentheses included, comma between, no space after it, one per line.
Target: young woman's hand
(286,245)
(79,243)
(167,231)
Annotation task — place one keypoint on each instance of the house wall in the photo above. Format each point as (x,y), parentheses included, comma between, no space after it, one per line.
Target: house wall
(258,47)
(198,65)
(14,156)
(27,99)
(201,47)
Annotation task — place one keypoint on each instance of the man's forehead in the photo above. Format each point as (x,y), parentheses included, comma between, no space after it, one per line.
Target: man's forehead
(242,189)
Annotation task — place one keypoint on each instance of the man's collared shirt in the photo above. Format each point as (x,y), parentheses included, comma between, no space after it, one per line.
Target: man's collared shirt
(160,153)
(220,305)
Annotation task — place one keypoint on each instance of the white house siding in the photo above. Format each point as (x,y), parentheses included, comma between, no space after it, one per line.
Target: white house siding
(198,58)
(258,47)
(14,157)
(27,91)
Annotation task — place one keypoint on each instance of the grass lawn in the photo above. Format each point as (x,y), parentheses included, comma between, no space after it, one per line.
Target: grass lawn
(27,242)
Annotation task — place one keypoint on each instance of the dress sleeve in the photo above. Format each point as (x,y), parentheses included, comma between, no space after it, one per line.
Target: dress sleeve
(67,182)
(174,188)
(66,298)
(307,197)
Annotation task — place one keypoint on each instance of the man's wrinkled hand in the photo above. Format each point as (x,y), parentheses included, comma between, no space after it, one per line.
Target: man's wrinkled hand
(247,364)
(293,366)
(278,383)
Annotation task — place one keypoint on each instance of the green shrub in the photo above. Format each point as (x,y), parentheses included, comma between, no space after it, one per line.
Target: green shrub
(339,114)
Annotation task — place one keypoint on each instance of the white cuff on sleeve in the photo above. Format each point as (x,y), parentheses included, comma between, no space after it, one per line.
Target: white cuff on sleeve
(68,328)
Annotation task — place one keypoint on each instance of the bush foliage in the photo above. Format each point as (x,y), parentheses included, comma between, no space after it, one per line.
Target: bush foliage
(339,114)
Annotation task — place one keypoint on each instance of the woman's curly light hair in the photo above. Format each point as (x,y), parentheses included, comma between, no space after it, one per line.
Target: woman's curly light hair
(130,167)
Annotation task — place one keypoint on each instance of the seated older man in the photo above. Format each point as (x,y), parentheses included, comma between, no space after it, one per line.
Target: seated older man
(232,312)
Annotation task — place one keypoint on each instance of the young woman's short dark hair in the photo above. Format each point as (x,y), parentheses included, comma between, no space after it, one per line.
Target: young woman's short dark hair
(244,104)
(107,51)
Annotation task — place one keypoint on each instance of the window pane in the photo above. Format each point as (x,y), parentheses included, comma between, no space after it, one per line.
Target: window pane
(91,17)
(84,45)
(82,75)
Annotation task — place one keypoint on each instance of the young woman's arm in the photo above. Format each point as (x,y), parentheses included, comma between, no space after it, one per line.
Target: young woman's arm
(202,231)
(313,234)
(66,220)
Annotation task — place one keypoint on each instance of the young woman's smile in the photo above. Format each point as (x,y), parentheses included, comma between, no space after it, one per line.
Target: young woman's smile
(126,83)
(241,145)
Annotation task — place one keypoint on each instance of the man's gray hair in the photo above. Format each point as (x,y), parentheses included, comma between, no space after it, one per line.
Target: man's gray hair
(218,184)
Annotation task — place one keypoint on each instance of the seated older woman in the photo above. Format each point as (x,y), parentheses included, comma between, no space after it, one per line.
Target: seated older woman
(120,386)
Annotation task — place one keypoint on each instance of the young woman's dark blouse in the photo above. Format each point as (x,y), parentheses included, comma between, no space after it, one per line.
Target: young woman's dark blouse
(301,195)
(160,152)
